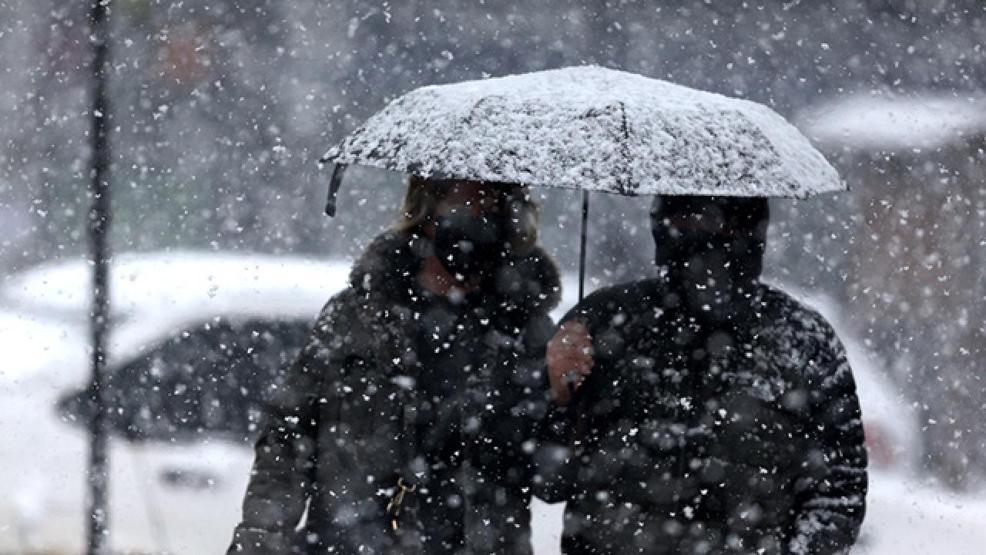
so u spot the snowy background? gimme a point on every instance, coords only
(220, 109)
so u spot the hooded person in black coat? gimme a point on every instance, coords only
(711, 413)
(407, 423)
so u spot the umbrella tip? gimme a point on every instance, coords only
(334, 184)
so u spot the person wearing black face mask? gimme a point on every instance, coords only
(405, 424)
(711, 251)
(711, 413)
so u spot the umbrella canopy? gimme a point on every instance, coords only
(591, 128)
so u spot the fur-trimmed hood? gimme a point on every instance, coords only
(388, 268)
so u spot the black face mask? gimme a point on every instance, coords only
(700, 256)
(468, 246)
(711, 271)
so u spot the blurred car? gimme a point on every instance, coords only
(200, 339)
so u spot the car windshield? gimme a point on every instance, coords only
(211, 378)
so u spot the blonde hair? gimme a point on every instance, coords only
(424, 195)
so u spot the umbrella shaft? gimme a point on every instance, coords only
(582, 245)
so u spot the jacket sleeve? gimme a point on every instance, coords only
(554, 465)
(831, 497)
(553, 459)
(282, 477)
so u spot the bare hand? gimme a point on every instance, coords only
(569, 359)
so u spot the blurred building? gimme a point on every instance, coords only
(916, 167)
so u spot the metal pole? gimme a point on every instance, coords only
(98, 227)
(585, 226)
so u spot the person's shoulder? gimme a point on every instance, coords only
(782, 305)
(626, 298)
(803, 324)
(346, 299)
(341, 313)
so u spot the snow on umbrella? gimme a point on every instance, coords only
(592, 129)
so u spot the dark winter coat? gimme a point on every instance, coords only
(399, 384)
(688, 438)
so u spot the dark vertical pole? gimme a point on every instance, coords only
(99, 222)
(585, 226)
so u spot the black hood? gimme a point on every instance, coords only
(389, 266)
(712, 249)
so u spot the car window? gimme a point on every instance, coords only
(212, 379)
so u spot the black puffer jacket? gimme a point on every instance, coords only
(397, 384)
(691, 439)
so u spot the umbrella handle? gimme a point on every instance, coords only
(582, 245)
(330, 203)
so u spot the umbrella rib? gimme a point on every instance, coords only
(625, 185)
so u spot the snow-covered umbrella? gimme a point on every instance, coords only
(592, 129)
